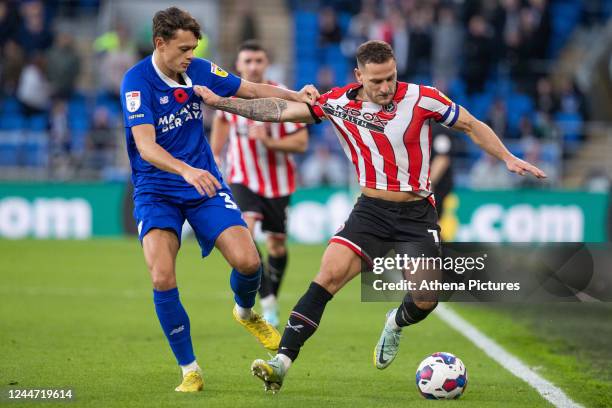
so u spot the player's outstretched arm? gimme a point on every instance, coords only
(251, 90)
(487, 140)
(263, 110)
(150, 151)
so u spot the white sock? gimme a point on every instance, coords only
(244, 313)
(193, 366)
(391, 324)
(268, 302)
(285, 360)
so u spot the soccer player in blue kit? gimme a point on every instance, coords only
(176, 179)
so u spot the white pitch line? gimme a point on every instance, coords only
(511, 363)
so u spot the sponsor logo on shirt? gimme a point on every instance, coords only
(132, 101)
(364, 119)
(163, 99)
(188, 112)
(217, 70)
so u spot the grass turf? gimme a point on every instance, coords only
(80, 315)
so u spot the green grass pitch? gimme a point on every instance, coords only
(79, 315)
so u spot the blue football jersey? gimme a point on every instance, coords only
(150, 97)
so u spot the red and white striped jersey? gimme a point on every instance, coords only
(390, 146)
(264, 171)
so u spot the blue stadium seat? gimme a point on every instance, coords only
(9, 143)
(519, 106)
(10, 105)
(38, 123)
(565, 15)
(344, 21)
(12, 122)
(78, 123)
(456, 91)
(550, 152)
(570, 124)
(480, 104)
(78, 140)
(36, 149)
(305, 20)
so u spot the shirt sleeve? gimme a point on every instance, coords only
(220, 81)
(136, 101)
(438, 106)
(316, 110)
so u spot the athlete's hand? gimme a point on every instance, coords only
(308, 94)
(259, 131)
(208, 97)
(516, 165)
(202, 180)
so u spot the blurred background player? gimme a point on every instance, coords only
(387, 137)
(441, 170)
(176, 179)
(262, 173)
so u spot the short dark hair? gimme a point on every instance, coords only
(167, 22)
(375, 51)
(251, 45)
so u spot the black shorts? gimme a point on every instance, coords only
(272, 212)
(375, 225)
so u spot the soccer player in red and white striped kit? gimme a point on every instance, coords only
(384, 127)
(262, 173)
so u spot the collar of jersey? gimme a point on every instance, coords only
(353, 92)
(169, 81)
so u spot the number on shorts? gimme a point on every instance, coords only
(228, 201)
(435, 235)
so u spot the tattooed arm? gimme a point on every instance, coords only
(263, 110)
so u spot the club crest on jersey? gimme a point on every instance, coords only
(217, 70)
(132, 101)
(390, 108)
(180, 95)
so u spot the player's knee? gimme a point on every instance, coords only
(426, 305)
(248, 264)
(163, 281)
(331, 277)
(162, 275)
(276, 246)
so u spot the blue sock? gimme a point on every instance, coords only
(175, 324)
(245, 287)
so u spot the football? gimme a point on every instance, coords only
(441, 376)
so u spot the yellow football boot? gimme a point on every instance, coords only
(263, 331)
(192, 382)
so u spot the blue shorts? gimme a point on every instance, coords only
(208, 217)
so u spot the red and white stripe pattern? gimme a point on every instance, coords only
(266, 172)
(390, 146)
(353, 247)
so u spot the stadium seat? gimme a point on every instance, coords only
(519, 106)
(570, 125)
(565, 16)
(10, 105)
(480, 104)
(9, 141)
(35, 149)
(38, 123)
(12, 122)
